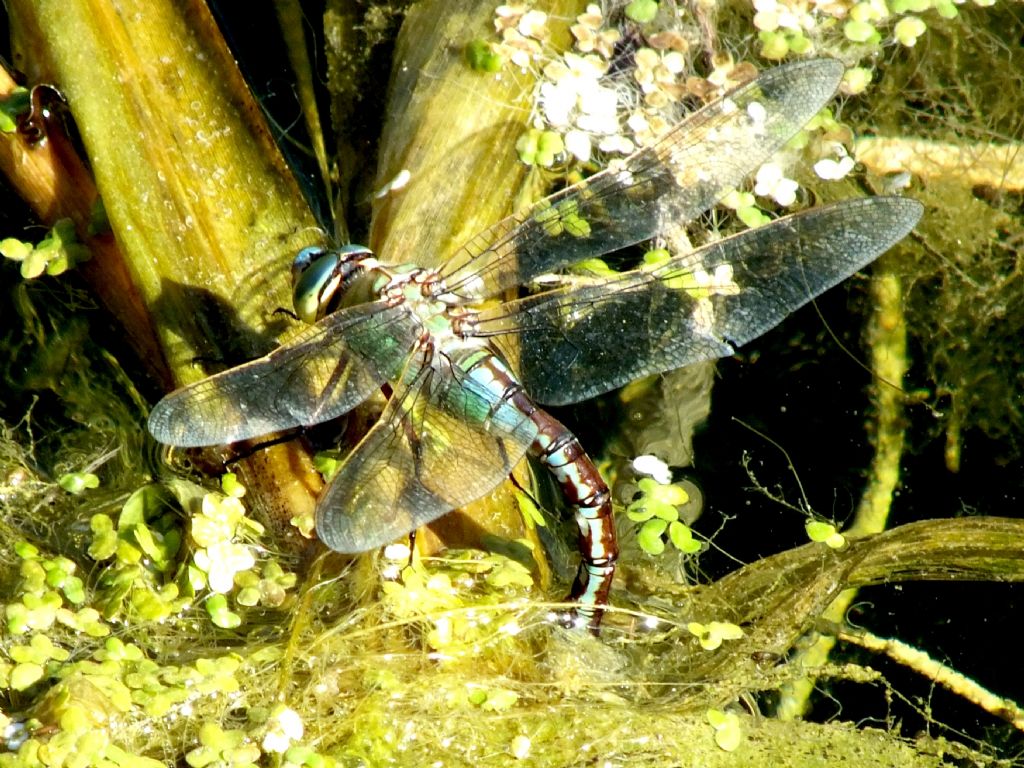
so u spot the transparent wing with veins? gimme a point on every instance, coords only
(575, 343)
(443, 441)
(328, 369)
(668, 183)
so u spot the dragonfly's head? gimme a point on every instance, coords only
(320, 278)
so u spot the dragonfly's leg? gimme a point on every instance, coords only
(584, 488)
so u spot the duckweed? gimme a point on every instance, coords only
(642, 11)
(824, 532)
(56, 253)
(657, 510)
(78, 482)
(728, 733)
(480, 55)
(712, 634)
(16, 103)
(541, 148)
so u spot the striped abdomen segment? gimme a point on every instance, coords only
(581, 484)
(584, 488)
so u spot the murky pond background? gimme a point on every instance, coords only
(117, 645)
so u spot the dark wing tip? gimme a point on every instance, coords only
(891, 218)
(177, 421)
(820, 77)
(825, 67)
(339, 531)
(163, 426)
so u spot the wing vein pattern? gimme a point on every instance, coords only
(575, 343)
(445, 439)
(668, 183)
(326, 370)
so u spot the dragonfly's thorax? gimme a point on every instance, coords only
(459, 313)
(439, 314)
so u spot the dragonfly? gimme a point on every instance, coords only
(467, 378)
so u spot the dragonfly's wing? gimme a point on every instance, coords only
(579, 342)
(668, 183)
(443, 441)
(328, 369)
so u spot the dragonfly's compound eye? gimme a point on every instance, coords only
(303, 259)
(320, 278)
(354, 252)
(315, 280)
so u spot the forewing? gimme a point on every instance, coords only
(442, 442)
(325, 371)
(577, 343)
(668, 183)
